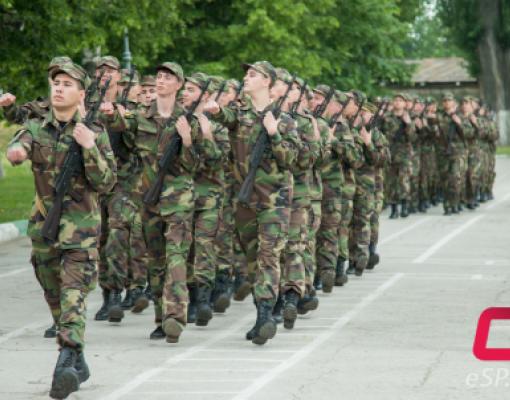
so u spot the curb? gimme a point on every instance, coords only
(13, 230)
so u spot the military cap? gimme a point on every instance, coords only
(200, 79)
(264, 67)
(448, 96)
(174, 68)
(359, 96)
(284, 75)
(58, 61)
(234, 83)
(340, 96)
(73, 70)
(466, 99)
(322, 89)
(148, 80)
(418, 99)
(299, 81)
(370, 107)
(430, 100)
(402, 95)
(125, 77)
(109, 61)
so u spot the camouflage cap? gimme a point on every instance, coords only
(340, 96)
(359, 96)
(200, 79)
(299, 81)
(322, 89)
(109, 61)
(174, 68)
(369, 107)
(402, 95)
(74, 71)
(448, 96)
(283, 75)
(430, 100)
(125, 77)
(58, 61)
(148, 80)
(232, 83)
(264, 67)
(466, 99)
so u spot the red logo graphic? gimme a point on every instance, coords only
(480, 349)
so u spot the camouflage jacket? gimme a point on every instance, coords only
(400, 137)
(273, 180)
(316, 187)
(36, 109)
(47, 145)
(452, 137)
(210, 176)
(376, 155)
(148, 134)
(307, 155)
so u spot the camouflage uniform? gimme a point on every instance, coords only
(428, 168)
(474, 163)
(66, 269)
(36, 109)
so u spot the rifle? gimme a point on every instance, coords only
(92, 89)
(294, 108)
(374, 121)
(258, 152)
(353, 120)
(73, 164)
(127, 89)
(334, 117)
(220, 90)
(151, 196)
(319, 110)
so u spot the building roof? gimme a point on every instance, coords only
(441, 70)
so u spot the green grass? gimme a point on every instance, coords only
(505, 150)
(17, 185)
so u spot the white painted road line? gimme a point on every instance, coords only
(405, 230)
(15, 272)
(440, 243)
(318, 341)
(498, 202)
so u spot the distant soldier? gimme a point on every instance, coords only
(66, 268)
(148, 91)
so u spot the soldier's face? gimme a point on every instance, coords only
(418, 108)
(167, 83)
(278, 90)
(432, 108)
(399, 103)
(147, 95)
(66, 92)
(294, 93)
(449, 104)
(255, 81)
(367, 116)
(466, 108)
(350, 109)
(316, 100)
(333, 108)
(227, 97)
(109, 73)
(190, 94)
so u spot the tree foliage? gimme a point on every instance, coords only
(346, 43)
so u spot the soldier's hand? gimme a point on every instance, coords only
(205, 127)
(406, 118)
(473, 119)
(366, 136)
(184, 130)
(316, 131)
(7, 99)
(212, 107)
(121, 109)
(456, 119)
(419, 123)
(270, 123)
(107, 108)
(17, 154)
(84, 136)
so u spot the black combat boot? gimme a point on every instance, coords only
(102, 314)
(317, 282)
(447, 211)
(373, 257)
(51, 332)
(204, 310)
(115, 312)
(140, 300)
(290, 309)
(65, 377)
(192, 305)
(394, 211)
(222, 292)
(277, 309)
(352, 268)
(82, 368)
(328, 280)
(252, 332)
(242, 287)
(172, 329)
(148, 293)
(265, 326)
(309, 302)
(422, 207)
(340, 275)
(127, 303)
(404, 213)
(460, 207)
(412, 208)
(157, 333)
(455, 209)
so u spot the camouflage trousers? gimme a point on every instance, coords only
(225, 240)
(474, 172)
(125, 248)
(484, 169)
(359, 238)
(66, 277)
(348, 192)
(451, 177)
(263, 236)
(374, 219)
(168, 239)
(327, 236)
(463, 175)
(415, 177)
(104, 201)
(293, 271)
(492, 168)
(399, 181)
(309, 255)
(427, 175)
(203, 255)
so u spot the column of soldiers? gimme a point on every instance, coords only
(189, 191)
